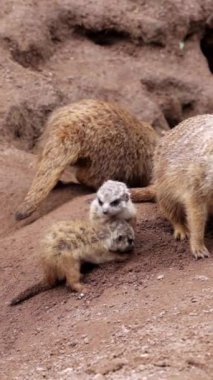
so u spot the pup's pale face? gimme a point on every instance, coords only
(123, 238)
(111, 198)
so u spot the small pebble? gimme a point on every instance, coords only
(98, 376)
(201, 277)
(80, 296)
(160, 277)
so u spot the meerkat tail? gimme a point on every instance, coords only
(143, 194)
(51, 165)
(31, 292)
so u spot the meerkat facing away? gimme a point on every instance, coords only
(97, 141)
(69, 243)
(183, 177)
(113, 201)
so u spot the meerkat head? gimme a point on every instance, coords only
(122, 237)
(112, 198)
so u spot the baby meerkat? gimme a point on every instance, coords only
(183, 178)
(69, 243)
(95, 141)
(113, 201)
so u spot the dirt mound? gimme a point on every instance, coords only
(148, 318)
(155, 58)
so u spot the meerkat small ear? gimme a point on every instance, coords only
(126, 197)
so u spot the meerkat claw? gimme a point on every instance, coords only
(181, 232)
(200, 253)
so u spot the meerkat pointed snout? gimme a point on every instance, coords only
(113, 201)
(183, 179)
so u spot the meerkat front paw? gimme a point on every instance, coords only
(76, 287)
(200, 252)
(180, 232)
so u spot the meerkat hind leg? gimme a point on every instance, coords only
(197, 216)
(50, 275)
(175, 214)
(71, 268)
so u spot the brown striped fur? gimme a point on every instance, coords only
(69, 243)
(95, 141)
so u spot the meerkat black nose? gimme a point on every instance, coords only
(131, 241)
(105, 212)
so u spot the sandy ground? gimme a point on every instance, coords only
(152, 316)
(147, 318)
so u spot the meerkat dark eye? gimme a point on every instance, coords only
(130, 241)
(115, 202)
(126, 197)
(100, 202)
(120, 238)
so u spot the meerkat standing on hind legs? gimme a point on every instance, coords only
(113, 201)
(183, 177)
(97, 140)
(69, 243)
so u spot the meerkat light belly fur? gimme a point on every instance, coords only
(183, 177)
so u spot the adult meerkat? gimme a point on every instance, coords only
(183, 177)
(113, 201)
(96, 141)
(69, 243)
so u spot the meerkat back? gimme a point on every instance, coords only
(98, 141)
